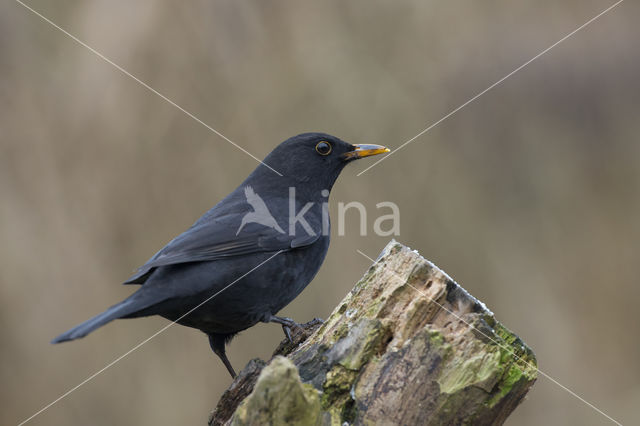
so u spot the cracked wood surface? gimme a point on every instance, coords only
(406, 346)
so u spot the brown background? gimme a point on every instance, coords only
(529, 197)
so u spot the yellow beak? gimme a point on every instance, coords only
(362, 151)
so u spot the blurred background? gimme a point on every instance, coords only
(529, 197)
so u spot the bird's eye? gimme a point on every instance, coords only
(323, 148)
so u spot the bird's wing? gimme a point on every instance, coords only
(216, 239)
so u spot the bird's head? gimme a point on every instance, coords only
(316, 158)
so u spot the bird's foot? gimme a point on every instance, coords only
(287, 332)
(299, 334)
(287, 324)
(315, 321)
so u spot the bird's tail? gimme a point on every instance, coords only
(126, 307)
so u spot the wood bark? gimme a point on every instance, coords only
(406, 346)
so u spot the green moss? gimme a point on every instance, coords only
(436, 338)
(514, 351)
(337, 384)
(461, 373)
(518, 362)
(361, 343)
(508, 338)
(374, 307)
(349, 354)
(340, 332)
(336, 397)
(279, 398)
(511, 377)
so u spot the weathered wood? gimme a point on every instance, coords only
(406, 346)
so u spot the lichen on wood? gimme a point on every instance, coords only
(279, 398)
(406, 346)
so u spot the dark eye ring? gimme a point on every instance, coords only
(323, 148)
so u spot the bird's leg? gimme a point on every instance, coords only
(286, 323)
(217, 342)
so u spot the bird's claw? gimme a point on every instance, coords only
(315, 321)
(287, 324)
(287, 332)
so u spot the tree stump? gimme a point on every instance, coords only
(406, 346)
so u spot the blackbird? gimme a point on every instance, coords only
(251, 254)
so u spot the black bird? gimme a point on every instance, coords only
(251, 254)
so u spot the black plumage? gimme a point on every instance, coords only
(244, 254)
